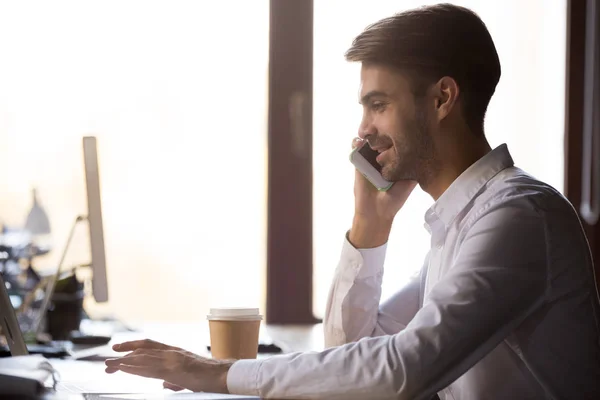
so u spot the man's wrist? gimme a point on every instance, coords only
(225, 366)
(369, 233)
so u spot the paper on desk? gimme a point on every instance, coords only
(177, 396)
(25, 375)
(35, 365)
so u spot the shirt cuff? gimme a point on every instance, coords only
(367, 262)
(242, 377)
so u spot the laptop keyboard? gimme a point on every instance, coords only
(89, 377)
(106, 386)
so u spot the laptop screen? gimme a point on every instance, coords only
(10, 326)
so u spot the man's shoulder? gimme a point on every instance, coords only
(515, 188)
(514, 184)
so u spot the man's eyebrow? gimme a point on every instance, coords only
(370, 95)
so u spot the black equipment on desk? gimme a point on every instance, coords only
(65, 312)
(45, 350)
(78, 338)
(264, 348)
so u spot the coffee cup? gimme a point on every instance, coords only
(234, 332)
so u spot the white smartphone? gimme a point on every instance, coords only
(365, 161)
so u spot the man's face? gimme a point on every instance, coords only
(395, 123)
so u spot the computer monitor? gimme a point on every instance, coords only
(94, 218)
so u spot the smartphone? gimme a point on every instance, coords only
(365, 161)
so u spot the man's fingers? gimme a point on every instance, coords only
(357, 143)
(111, 370)
(403, 188)
(145, 371)
(142, 344)
(168, 385)
(146, 360)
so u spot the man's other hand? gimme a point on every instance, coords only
(179, 369)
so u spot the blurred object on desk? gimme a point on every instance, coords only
(66, 308)
(24, 376)
(38, 224)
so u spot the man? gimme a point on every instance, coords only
(505, 306)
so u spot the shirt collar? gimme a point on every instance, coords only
(468, 184)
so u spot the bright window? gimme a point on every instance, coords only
(527, 113)
(176, 92)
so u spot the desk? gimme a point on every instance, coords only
(190, 336)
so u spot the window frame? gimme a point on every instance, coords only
(289, 295)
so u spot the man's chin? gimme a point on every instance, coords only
(391, 178)
(389, 174)
(395, 176)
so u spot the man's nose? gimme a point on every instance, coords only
(366, 130)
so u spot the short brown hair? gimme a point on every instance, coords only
(435, 41)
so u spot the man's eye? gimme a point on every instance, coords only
(377, 106)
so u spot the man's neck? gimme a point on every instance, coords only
(454, 159)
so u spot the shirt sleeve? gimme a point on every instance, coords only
(353, 310)
(497, 279)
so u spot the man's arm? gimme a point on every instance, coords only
(353, 306)
(497, 280)
(353, 310)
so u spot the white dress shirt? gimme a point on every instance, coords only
(505, 307)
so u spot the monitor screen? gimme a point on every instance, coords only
(94, 217)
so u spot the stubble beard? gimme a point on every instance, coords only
(415, 153)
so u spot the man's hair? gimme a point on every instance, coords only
(430, 42)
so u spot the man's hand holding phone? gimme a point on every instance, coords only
(375, 208)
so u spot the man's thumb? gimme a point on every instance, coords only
(168, 385)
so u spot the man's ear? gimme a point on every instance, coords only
(446, 92)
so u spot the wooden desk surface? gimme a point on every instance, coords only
(190, 336)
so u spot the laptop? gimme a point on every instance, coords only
(30, 322)
(98, 385)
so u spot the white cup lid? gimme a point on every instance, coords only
(234, 313)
